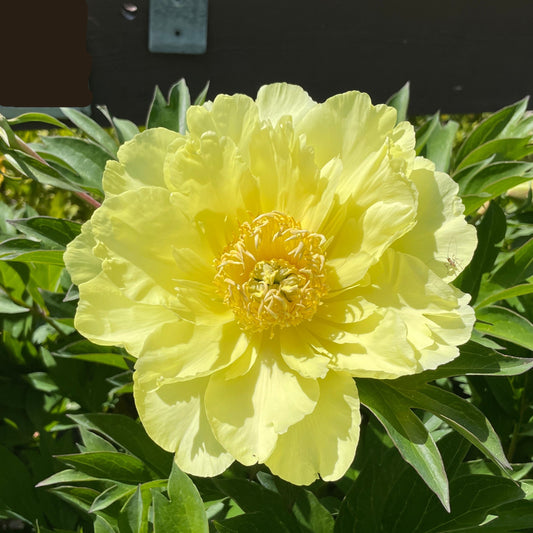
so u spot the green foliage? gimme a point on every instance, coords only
(436, 448)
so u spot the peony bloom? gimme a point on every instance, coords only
(259, 263)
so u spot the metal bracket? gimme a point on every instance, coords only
(178, 26)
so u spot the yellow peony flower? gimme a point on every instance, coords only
(258, 264)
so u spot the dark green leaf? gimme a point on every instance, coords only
(490, 232)
(102, 526)
(400, 102)
(125, 129)
(492, 127)
(505, 294)
(200, 99)
(108, 465)
(440, 144)
(424, 132)
(508, 149)
(36, 117)
(66, 476)
(29, 251)
(91, 129)
(407, 432)
(8, 307)
(130, 435)
(171, 115)
(473, 498)
(461, 415)
(114, 493)
(506, 324)
(16, 488)
(54, 232)
(257, 522)
(84, 157)
(184, 513)
(312, 516)
(517, 268)
(474, 360)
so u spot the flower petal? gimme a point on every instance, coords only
(178, 350)
(280, 99)
(324, 442)
(248, 413)
(174, 417)
(106, 316)
(82, 264)
(140, 161)
(442, 238)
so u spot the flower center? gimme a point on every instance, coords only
(273, 274)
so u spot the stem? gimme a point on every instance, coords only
(86, 197)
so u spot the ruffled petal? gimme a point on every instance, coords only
(174, 417)
(179, 350)
(324, 442)
(299, 351)
(140, 161)
(249, 412)
(106, 316)
(82, 264)
(442, 238)
(280, 99)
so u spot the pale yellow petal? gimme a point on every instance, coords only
(349, 127)
(80, 261)
(174, 417)
(280, 99)
(210, 176)
(180, 350)
(299, 350)
(442, 238)
(323, 444)
(105, 316)
(435, 315)
(247, 413)
(140, 161)
(234, 117)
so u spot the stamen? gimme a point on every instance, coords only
(279, 283)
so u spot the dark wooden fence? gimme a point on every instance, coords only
(459, 55)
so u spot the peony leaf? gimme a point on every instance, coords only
(517, 268)
(102, 526)
(130, 435)
(84, 157)
(474, 360)
(55, 232)
(9, 307)
(439, 145)
(461, 415)
(473, 498)
(400, 102)
(492, 128)
(505, 324)
(257, 522)
(311, 514)
(108, 465)
(423, 133)
(508, 150)
(407, 432)
(490, 232)
(66, 476)
(184, 513)
(29, 251)
(171, 114)
(91, 129)
(111, 495)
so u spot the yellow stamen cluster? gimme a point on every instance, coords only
(273, 274)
